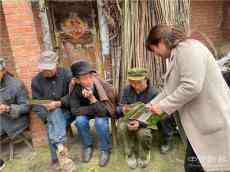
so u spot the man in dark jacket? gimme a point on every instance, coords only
(51, 85)
(14, 103)
(91, 98)
(137, 138)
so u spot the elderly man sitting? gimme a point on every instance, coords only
(14, 104)
(137, 137)
(51, 84)
(92, 98)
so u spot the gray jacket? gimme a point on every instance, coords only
(14, 94)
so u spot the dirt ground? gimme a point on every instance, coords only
(37, 160)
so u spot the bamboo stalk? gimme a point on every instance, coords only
(137, 19)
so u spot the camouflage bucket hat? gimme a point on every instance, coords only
(2, 63)
(137, 74)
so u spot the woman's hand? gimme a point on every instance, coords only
(155, 109)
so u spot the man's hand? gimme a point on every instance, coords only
(133, 125)
(53, 105)
(155, 109)
(89, 95)
(4, 108)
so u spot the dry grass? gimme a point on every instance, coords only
(38, 161)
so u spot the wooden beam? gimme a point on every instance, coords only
(47, 41)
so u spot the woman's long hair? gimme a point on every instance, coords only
(170, 34)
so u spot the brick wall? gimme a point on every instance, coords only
(226, 22)
(20, 39)
(5, 49)
(38, 131)
(207, 17)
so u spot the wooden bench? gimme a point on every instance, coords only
(23, 137)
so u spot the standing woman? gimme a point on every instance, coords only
(195, 87)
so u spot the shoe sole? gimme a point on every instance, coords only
(148, 159)
(91, 156)
(3, 166)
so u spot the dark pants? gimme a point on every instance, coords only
(166, 127)
(192, 163)
(135, 142)
(227, 78)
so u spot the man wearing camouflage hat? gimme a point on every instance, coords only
(137, 137)
(14, 104)
(52, 84)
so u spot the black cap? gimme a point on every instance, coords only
(81, 68)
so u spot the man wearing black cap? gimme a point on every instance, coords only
(91, 98)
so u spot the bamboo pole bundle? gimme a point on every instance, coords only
(172, 12)
(175, 12)
(136, 18)
(113, 10)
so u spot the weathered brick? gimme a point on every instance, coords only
(22, 37)
(207, 17)
(38, 131)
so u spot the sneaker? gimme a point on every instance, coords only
(132, 161)
(66, 164)
(166, 147)
(87, 154)
(104, 158)
(143, 162)
(2, 164)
